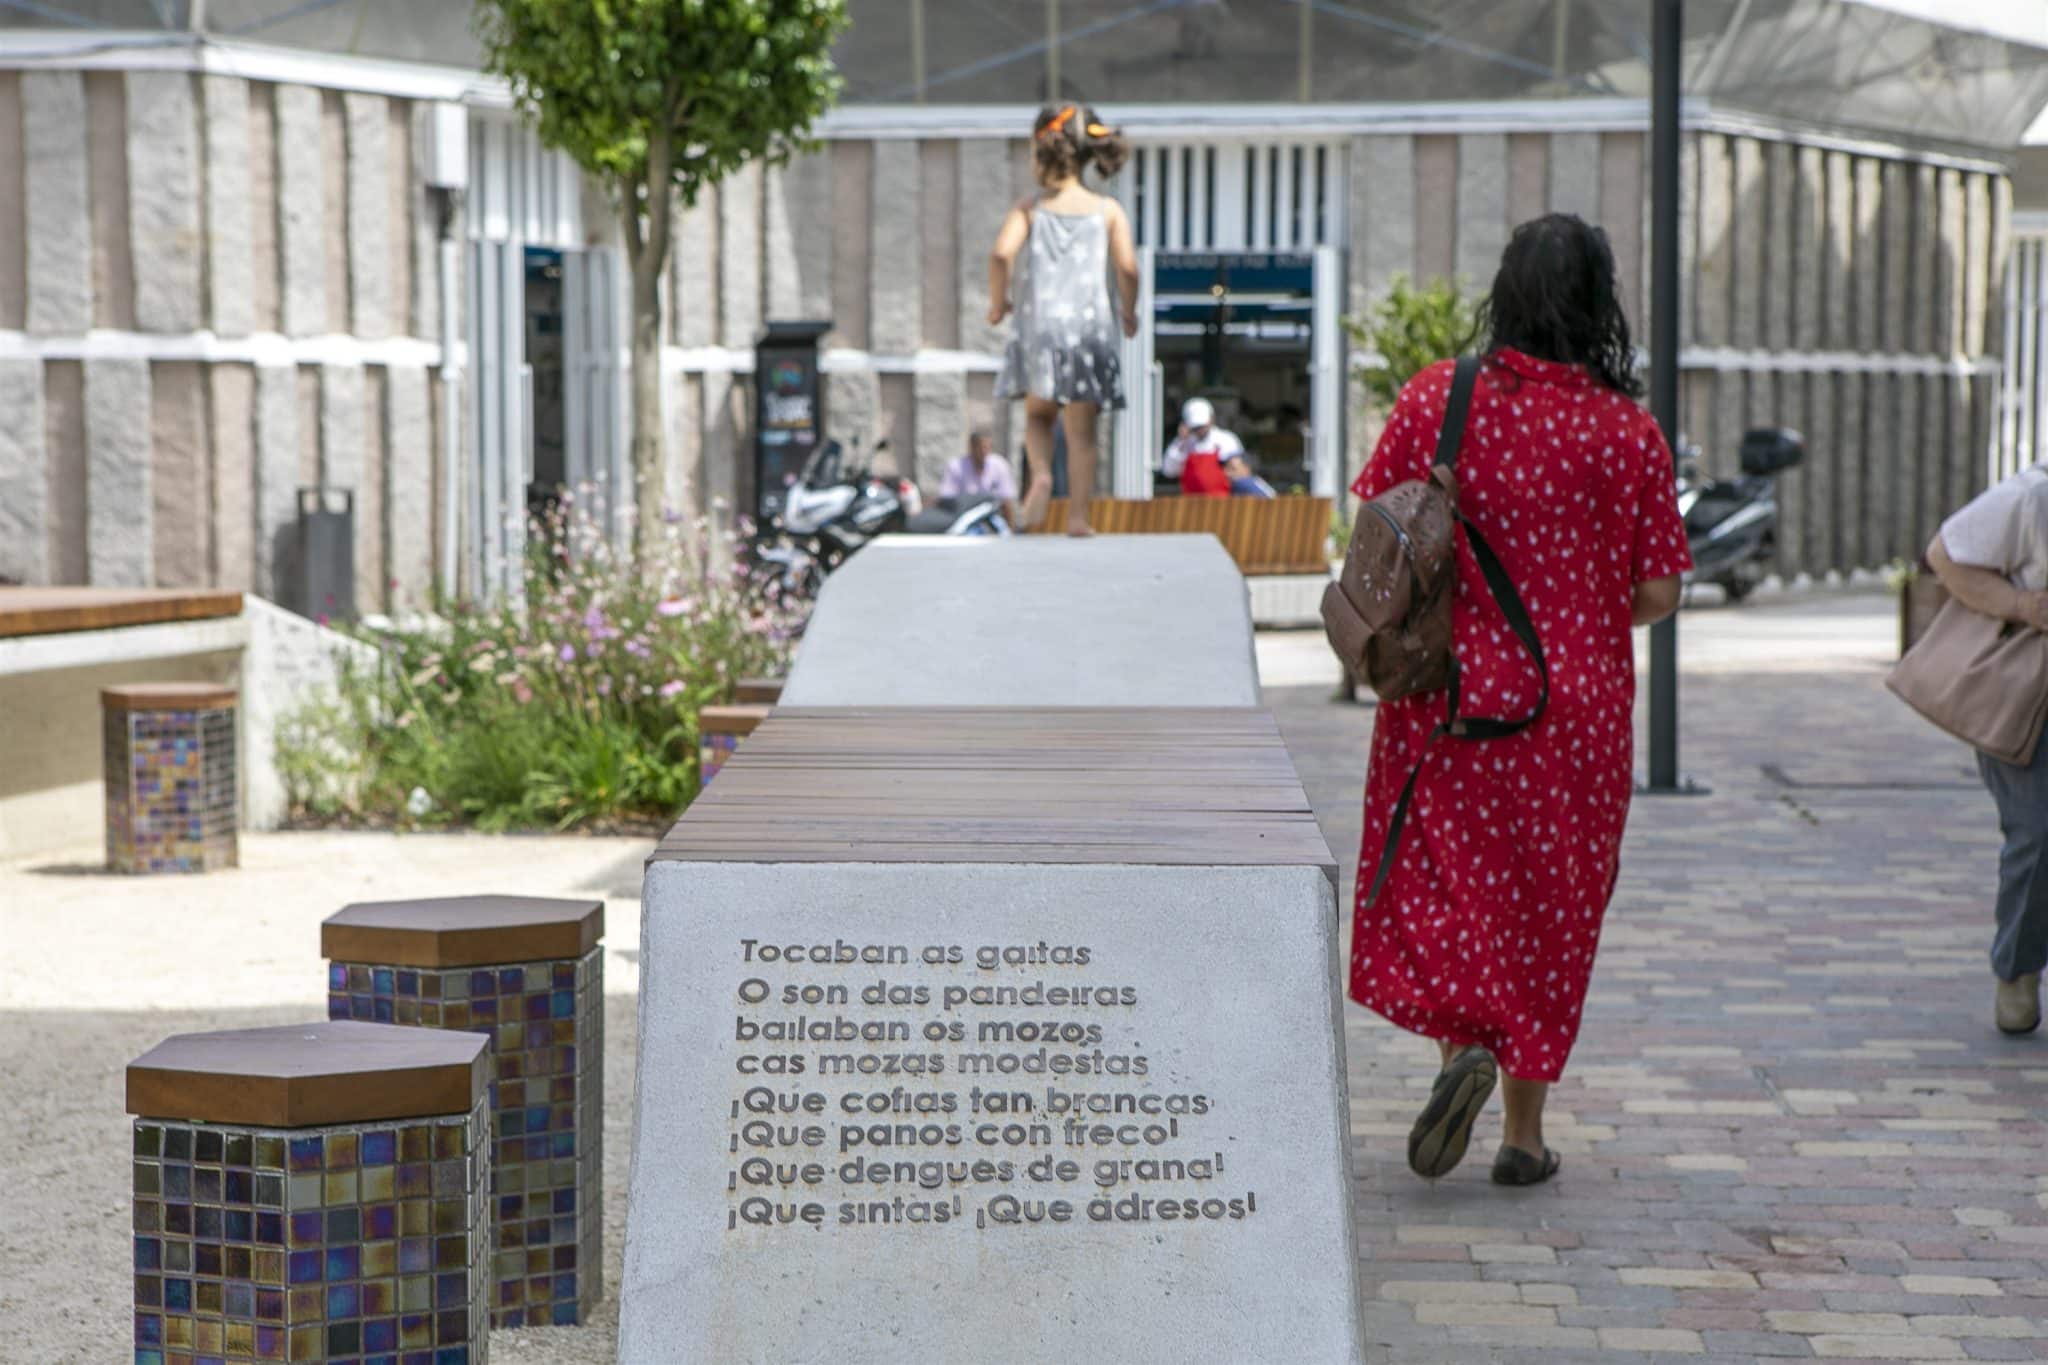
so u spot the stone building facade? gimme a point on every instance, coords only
(233, 272)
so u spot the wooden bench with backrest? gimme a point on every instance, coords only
(1284, 535)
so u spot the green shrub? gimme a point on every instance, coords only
(1411, 329)
(574, 704)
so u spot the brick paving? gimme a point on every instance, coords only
(1789, 1129)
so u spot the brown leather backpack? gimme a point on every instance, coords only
(1388, 613)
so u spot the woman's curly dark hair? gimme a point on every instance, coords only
(1066, 139)
(1555, 298)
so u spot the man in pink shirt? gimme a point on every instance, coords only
(981, 473)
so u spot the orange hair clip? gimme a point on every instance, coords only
(1058, 122)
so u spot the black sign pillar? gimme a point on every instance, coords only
(789, 410)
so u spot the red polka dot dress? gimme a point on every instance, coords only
(1486, 929)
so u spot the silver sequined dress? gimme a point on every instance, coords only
(1065, 346)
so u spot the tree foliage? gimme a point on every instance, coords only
(656, 99)
(1409, 330)
(696, 87)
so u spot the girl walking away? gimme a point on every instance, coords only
(1483, 934)
(1052, 262)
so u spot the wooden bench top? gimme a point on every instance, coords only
(192, 696)
(1209, 787)
(307, 1075)
(462, 931)
(51, 611)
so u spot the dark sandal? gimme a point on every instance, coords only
(1513, 1166)
(1437, 1142)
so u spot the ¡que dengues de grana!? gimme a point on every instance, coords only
(867, 1093)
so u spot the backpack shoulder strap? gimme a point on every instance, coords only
(1456, 409)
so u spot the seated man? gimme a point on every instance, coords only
(1244, 483)
(981, 473)
(1196, 455)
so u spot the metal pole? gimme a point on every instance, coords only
(1305, 54)
(917, 47)
(1666, 44)
(1052, 51)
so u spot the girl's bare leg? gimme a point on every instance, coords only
(1039, 416)
(1080, 423)
(1522, 1125)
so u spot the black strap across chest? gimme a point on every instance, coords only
(1455, 724)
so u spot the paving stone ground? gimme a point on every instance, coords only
(1789, 1129)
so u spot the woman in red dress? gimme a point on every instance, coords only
(1484, 934)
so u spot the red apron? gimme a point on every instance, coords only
(1203, 477)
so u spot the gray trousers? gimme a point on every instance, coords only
(2020, 945)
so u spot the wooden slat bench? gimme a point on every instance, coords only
(1286, 535)
(1059, 785)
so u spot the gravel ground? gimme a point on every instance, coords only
(95, 969)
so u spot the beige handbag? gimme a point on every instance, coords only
(1983, 680)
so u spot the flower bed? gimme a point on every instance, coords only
(572, 705)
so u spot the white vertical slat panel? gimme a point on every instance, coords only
(2033, 308)
(1283, 198)
(1137, 425)
(1228, 195)
(1326, 374)
(1155, 198)
(2012, 381)
(516, 463)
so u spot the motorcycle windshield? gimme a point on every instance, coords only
(822, 469)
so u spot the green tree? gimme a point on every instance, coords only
(1409, 330)
(656, 99)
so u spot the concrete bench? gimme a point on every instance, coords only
(60, 646)
(311, 1192)
(999, 1035)
(1030, 621)
(527, 973)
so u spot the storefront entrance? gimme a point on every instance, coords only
(1258, 334)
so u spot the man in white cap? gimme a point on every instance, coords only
(1198, 453)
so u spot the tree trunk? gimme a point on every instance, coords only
(648, 252)
(647, 480)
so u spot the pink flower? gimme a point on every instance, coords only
(673, 606)
(670, 688)
(521, 691)
(567, 654)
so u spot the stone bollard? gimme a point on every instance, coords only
(719, 732)
(764, 690)
(529, 973)
(312, 1192)
(172, 785)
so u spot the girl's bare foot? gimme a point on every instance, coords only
(1079, 529)
(1031, 512)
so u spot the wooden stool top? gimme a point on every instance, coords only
(760, 691)
(309, 1075)
(730, 720)
(182, 696)
(462, 931)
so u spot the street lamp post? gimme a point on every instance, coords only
(1667, 35)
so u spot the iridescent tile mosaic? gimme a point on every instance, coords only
(171, 789)
(362, 1243)
(546, 1023)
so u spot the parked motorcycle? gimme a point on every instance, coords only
(1732, 524)
(838, 505)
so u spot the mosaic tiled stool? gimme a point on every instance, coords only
(312, 1192)
(171, 777)
(719, 732)
(765, 690)
(529, 973)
